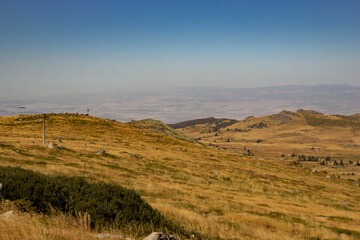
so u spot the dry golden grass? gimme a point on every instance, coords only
(216, 192)
(25, 226)
(340, 140)
(32, 226)
(283, 137)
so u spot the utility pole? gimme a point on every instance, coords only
(44, 115)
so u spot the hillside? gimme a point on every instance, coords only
(318, 119)
(160, 127)
(292, 136)
(220, 194)
(300, 132)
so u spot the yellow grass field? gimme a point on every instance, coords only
(219, 193)
(290, 133)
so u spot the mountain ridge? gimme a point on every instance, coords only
(283, 116)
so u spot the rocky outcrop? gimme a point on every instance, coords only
(152, 236)
(111, 236)
(259, 125)
(160, 236)
(281, 117)
(101, 152)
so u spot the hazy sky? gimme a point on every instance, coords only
(49, 47)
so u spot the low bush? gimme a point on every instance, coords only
(108, 205)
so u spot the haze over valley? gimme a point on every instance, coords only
(180, 120)
(180, 104)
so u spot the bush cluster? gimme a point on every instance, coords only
(308, 158)
(109, 205)
(219, 123)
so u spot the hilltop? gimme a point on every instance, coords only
(160, 127)
(291, 136)
(300, 132)
(220, 194)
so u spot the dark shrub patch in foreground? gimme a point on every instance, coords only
(108, 205)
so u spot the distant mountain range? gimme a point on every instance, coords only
(180, 104)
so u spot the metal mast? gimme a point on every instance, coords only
(44, 115)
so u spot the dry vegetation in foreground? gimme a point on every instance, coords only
(31, 226)
(218, 193)
(26, 226)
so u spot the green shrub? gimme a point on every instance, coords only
(109, 205)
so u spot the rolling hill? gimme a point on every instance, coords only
(300, 132)
(160, 127)
(218, 193)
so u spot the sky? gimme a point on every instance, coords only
(70, 46)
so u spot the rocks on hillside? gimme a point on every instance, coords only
(283, 117)
(7, 215)
(101, 152)
(160, 236)
(138, 156)
(152, 236)
(54, 146)
(259, 125)
(111, 236)
(51, 145)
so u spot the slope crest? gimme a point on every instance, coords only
(160, 127)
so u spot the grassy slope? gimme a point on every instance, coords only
(215, 192)
(23, 226)
(160, 127)
(30, 226)
(301, 132)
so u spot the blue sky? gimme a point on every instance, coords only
(49, 47)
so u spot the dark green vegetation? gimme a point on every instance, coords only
(108, 205)
(318, 119)
(218, 122)
(355, 234)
